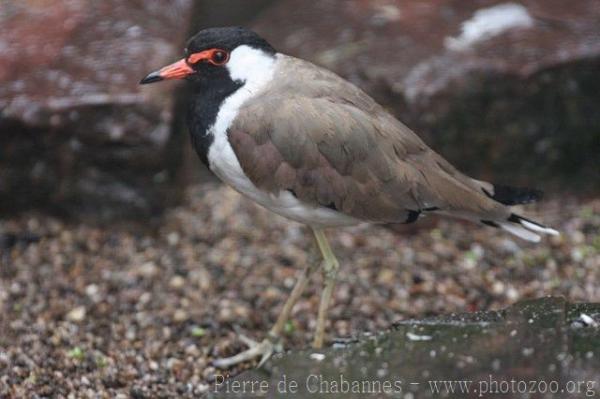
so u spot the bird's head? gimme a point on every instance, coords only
(216, 55)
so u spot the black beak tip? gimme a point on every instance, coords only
(152, 78)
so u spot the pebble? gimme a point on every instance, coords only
(92, 291)
(220, 261)
(180, 315)
(148, 269)
(177, 282)
(77, 314)
(587, 320)
(173, 238)
(418, 337)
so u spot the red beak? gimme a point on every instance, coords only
(177, 70)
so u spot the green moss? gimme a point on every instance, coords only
(101, 361)
(198, 332)
(289, 328)
(76, 353)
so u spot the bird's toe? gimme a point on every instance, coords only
(263, 350)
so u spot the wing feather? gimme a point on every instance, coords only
(331, 145)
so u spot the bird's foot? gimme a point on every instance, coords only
(264, 349)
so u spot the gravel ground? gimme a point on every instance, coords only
(87, 311)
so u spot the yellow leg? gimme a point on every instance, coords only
(297, 291)
(330, 269)
(270, 344)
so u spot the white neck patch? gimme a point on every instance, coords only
(255, 69)
(250, 65)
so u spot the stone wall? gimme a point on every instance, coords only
(507, 91)
(77, 133)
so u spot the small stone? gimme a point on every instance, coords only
(192, 350)
(180, 315)
(130, 334)
(173, 238)
(587, 320)
(528, 351)
(174, 364)
(77, 314)
(498, 287)
(177, 282)
(209, 374)
(512, 294)
(225, 314)
(148, 269)
(417, 337)
(91, 290)
(145, 298)
(202, 388)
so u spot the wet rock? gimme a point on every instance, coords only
(77, 132)
(531, 341)
(512, 83)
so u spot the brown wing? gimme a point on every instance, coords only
(331, 145)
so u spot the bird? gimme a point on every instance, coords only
(308, 145)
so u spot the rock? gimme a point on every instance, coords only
(77, 133)
(532, 340)
(497, 87)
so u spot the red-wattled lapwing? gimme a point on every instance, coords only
(310, 146)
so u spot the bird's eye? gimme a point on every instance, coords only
(219, 57)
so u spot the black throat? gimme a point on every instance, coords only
(212, 84)
(206, 101)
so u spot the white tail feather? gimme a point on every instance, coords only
(520, 231)
(538, 228)
(514, 224)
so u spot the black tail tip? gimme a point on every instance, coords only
(514, 195)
